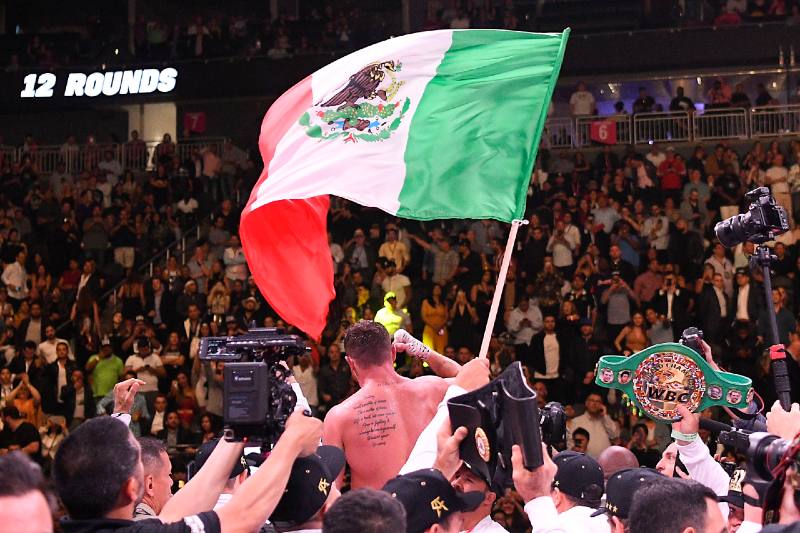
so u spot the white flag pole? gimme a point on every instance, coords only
(500, 287)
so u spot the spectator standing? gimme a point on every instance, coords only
(617, 299)
(334, 379)
(15, 278)
(644, 103)
(148, 367)
(200, 268)
(397, 283)
(681, 102)
(305, 372)
(106, 369)
(549, 359)
(671, 173)
(435, 315)
(394, 249)
(524, 321)
(777, 177)
(581, 102)
(235, 261)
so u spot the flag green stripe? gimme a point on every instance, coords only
(474, 135)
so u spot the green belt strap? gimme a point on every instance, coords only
(662, 376)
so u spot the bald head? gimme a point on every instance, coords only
(616, 458)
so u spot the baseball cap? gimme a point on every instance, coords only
(743, 270)
(578, 475)
(309, 487)
(139, 318)
(429, 498)
(105, 341)
(620, 489)
(204, 452)
(389, 295)
(735, 495)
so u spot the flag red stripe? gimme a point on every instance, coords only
(286, 242)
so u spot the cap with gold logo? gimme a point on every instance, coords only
(429, 498)
(309, 487)
(621, 487)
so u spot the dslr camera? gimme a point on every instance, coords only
(763, 450)
(765, 219)
(257, 398)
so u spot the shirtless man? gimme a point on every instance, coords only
(378, 426)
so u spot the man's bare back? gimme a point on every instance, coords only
(378, 426)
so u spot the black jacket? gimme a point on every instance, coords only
(537, 359)
(755, 302)
(50, 393)
(68, 396)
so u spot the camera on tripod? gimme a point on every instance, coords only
(764, 220)
(257, 398)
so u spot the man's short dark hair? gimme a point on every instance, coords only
(92, 465)
(151, 453)
(365, 511)
(20, 475)
(367, 343)
(581, 431)
(667, 505)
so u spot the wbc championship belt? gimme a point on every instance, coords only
(659, 378)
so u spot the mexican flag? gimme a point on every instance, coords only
(440, 124)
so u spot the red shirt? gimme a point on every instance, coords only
(670, 172)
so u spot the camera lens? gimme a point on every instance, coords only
(734, 230)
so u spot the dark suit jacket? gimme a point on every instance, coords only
(167, 306)
(68, 396)
(680, 306)
(537, 360)
(17, 366)
(50, 391)
(22, 330)
(184, 436)
(755, 302)
(709, 314)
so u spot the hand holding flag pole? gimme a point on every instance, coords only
(501, 283)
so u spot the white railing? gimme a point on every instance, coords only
(774, 121)
(714, 124)
(660, 127)
(81, 157)
(558, 133)
(615, 128)
(679, 126)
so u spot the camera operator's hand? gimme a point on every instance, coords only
(124, 394)
(689, 424)
(448, 460)
(532, 484)
(305, 431)
(785, 425)
(474, 374)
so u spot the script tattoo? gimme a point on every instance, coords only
(376, 420)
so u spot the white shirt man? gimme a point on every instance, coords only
(524, 322)
(144, 368)
(47, 348)
(741, 303)
(581, 102)
(398, 284)
(552, 356)
(307, 380)
(561, 246)
(656, 229)
(16, 279)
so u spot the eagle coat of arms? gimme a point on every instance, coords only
(364, 109)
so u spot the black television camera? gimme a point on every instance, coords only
(257, 398)
(765, 219)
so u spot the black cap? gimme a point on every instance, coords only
(204, 452)
(309, 487)
(429, 498)
(735, 495)
(620, 489)
(578, 476)
(743, 271)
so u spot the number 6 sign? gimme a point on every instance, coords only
(604, 132)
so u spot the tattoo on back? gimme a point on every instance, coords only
(375, 420)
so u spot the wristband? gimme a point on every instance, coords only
(658, 379)
(688, 437)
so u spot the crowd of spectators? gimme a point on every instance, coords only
(619, 254)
